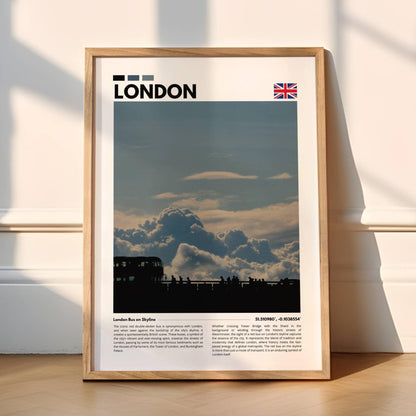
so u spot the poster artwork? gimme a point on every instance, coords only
(205, 251)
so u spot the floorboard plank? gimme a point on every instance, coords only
(362, 385)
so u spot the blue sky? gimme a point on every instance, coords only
(159, 144)
(226, 165)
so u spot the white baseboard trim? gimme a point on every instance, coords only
(40, 220)
(374, 219)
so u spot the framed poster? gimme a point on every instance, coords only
(205, 214)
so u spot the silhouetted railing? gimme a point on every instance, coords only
(177, 294)
(239, 283)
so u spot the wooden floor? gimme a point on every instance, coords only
(363, 384)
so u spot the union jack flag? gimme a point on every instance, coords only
(285, 90)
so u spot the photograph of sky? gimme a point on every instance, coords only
(209, 187)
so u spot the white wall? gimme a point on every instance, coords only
(371, 144)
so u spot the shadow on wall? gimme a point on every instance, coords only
(360, 314)
(34, 317)
(22, 68)
(39, 317)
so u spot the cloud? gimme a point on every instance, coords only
(283, 175)
(255, 251)
(289, 251)
(197, 203)
(127, 248)
(170, 195)
(202, 265)
(292, 198)
(215, 175)
(163, 235)
(276, 222)
(252, 249)
(201, 200)
(128, 220)
(233, 238)
(179, 238)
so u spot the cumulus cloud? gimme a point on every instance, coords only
(161, 236)
(283, 175)
(233, 238)
(179, 238)
(215, 175)
(126, 248)
(128, 220)
(255, 250)
(202, 265)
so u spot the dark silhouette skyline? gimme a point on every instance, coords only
(141, 287)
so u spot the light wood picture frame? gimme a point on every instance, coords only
(205, 214)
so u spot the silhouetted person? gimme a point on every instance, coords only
(180, 280)
(188, 280)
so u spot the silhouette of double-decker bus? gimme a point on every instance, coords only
(137, 270)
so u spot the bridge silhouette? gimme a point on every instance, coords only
(213, 295)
